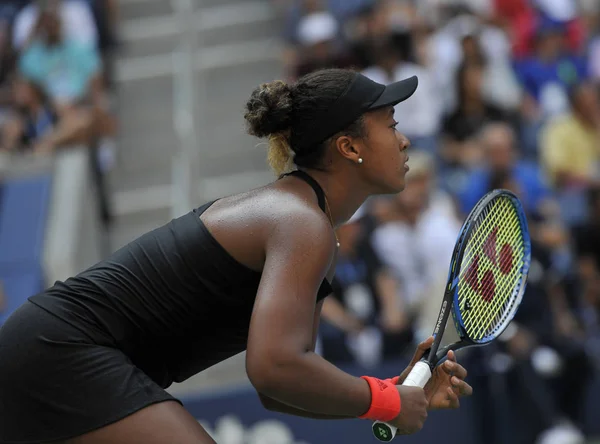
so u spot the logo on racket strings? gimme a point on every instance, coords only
(481, 278)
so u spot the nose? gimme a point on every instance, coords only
(404, 142)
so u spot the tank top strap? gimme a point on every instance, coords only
(313, 184)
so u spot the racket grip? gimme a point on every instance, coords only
(418, 377)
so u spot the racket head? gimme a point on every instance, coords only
(489, 268)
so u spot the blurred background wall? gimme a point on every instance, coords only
(118, 115)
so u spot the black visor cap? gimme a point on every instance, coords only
(395, 93)
(361, 96)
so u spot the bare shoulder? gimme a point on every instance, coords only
(292, 214)
(301, 241)
(276, 221)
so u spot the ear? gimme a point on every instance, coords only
(348, 147)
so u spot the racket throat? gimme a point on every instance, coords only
(439, 328)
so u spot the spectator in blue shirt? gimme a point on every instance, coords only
(547, 76)
(69, 73)
(503, 166)
(64, 67)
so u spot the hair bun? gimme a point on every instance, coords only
(269, 109)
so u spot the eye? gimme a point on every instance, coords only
(394, 125)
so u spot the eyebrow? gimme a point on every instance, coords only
(392, 111)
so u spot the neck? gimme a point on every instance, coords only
(343, 199)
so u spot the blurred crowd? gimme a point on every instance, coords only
(508, 97)
(55, 76)
(56, 81)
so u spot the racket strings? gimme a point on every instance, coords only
(494, 288)
(489, 308)
(491, 270)
(503, 283)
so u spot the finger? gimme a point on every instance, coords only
(453, 401)
(458, 370)
(451, 356)
(464, 389)
(449, 367)
(421, 349)
(461, 387)
(425, 344)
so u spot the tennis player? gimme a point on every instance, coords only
(88, 360)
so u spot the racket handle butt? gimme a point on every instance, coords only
(383, 431)
(419, 375)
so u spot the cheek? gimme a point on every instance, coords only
(387, 150)
(387, 163)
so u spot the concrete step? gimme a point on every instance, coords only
(231, 154)
(211, 3)
(229, 19)
(239, 50)
(146, 106)
(240, 32)
(216, 87)
(234, 56)
(126, 177)
(132, 225)
(156, 198)
(225, 375)
(137, 9)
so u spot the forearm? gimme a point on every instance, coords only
(310, 383)
(276, 406)
(387, 293)
(73, 127)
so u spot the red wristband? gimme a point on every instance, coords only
(385, 400)
(394, 380)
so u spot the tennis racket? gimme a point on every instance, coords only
(486, 282)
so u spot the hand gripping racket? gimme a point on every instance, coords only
(486, 282)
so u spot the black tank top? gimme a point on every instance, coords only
(174, 301)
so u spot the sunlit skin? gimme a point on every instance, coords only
(285, 232)
(383, 151)
(348, 183)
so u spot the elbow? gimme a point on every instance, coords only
(268, 374)
(261, 377)
(268, 403)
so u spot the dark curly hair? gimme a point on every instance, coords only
(283, 113)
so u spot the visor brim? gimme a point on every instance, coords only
(396, 92)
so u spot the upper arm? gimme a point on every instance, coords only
(24, 24)
(299, 252)
(80, 23)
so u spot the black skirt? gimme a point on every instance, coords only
(57, 382)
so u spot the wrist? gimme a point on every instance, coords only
(385, 400)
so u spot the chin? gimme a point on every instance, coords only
(394, 187)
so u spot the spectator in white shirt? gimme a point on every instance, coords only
(76, 17)
(417, 240)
